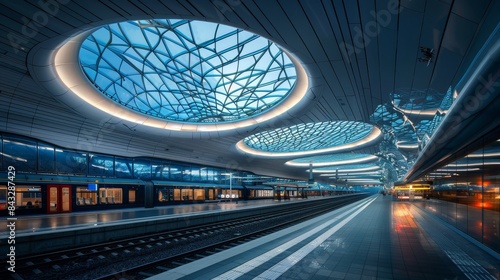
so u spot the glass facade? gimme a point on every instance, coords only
(468, 190)
(32, 156)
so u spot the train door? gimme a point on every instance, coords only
(58, 199)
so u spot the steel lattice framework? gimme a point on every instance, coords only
(186, 70)
(309, 136)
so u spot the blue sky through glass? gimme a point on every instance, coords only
(186, 70)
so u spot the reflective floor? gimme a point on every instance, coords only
(377, 238)
(44, 222)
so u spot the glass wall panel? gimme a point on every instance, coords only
(215, 176)
(195, 174)
(204, 174)
(468, 189)
(157, 170)
(19, 153)
(142, 169)
(71, 162)
(123, 168)
(176, 172)
(101, 165)
(46, 158)
(165, 173)
(186, 173)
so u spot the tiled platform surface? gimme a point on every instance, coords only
(382, 239)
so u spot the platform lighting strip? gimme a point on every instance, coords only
(356, 177)
(451, 165)
(456, 169)
(73, 78)
(402, 146)
(483, 155)
(374, 134)
(349, 173)
(345, 170)
(330, 163)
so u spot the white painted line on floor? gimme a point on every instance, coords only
(284, 265)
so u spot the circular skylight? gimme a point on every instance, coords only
(309, 138)
(187, 71)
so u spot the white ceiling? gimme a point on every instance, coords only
(349, 73)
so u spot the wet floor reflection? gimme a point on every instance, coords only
(44, 222)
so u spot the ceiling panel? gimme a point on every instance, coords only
(387, 54)
(459, 34)
(349, 73)
(407, 48)
(472, 10)
(443, 73)
(280, 20)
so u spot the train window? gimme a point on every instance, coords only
(26, 197)
(110, 196)
(164, 195)
(177, 194)
(3, 197)
(187, 194)
(84, 196)
(131, 196)
(199, 194)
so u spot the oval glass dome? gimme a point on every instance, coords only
(187, 71)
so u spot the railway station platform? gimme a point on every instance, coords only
(375, 238)
(45, 223)
(43, 233)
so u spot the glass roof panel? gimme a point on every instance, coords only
(187, 70)
(309, 136)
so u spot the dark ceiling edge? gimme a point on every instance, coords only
(476, 103)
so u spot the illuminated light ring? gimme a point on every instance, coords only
(72, 76)
(374, 134)
(371, 173)
(375, 167)
(330, 163)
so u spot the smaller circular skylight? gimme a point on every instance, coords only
(332, 159)
(309, 138)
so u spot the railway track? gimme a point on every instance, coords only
(61, 263)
